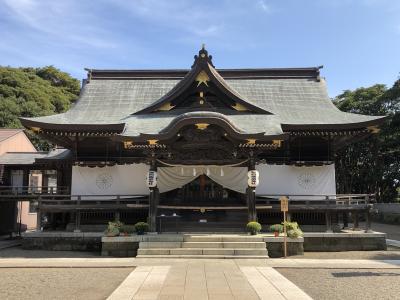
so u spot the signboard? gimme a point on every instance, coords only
(151, 179)
(284, 209)
(284, 204)
(253, 178)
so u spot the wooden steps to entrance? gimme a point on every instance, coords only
(205, 246)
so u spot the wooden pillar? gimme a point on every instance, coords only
(154, 197)
(328, 219)
(251, 204)
(355, 220)
(25, 180)
(117, 216)
(251, 197)
(78, 216)
(39, 214)
(368, 218)
(345, 219)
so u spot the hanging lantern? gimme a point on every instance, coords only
(222, 171)
(151, 179)
(194, 171)
(208, 171)
(182, 171)
(253, 178)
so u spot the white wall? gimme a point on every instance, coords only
(115, 180)
(274, 180)
(291, 180)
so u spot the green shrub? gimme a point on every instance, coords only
(129, 229)
(276, 228)
(293, 230)
(294, 233)
(141, 227)
(116, 224)
(253, 227)
(113, 228)
(114, 231)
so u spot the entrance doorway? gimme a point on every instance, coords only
(202, 206)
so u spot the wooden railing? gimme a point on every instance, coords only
(95, 202)
(48, 200)
(17, 191)
(333, 201)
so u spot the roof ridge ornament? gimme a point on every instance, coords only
(203, 57)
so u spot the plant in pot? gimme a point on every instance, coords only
(113, 228)
(253, 227)
(276, 229)
(127, 229)
(293, 230)
(141, 228)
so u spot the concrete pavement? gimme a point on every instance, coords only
(203, 278)
(97, 262)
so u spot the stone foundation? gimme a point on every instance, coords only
(120, 246)
(275, 246)
(127, 246)
(346, 241)
(62, 241)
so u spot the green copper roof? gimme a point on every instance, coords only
(292, 101)
(243, 123)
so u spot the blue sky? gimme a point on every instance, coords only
(357, 41)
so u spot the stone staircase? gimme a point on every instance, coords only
(203, 246)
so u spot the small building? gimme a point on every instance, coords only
(17, 150)
(202, 149)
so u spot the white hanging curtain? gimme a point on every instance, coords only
(291, 180)
(233, 178)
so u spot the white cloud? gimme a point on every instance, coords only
(62, 20)
(185, 16)
(264, 6)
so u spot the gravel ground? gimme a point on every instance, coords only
(346, 284)
(60, 283)
(392, 231)
(392, 253)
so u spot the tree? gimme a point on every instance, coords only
(373, 165)
(33, 92)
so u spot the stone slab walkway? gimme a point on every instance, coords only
(198, 279)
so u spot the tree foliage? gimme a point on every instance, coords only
(372, 165)
(33, 92)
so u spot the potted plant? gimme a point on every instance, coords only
(112, 232)
(127, 229)
(141, 228)
(293, 230)
(113, 228)
(276, 229)
(253, 227)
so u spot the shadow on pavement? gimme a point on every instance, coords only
(363, 274)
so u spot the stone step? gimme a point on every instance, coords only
(206, 256)
(232, 245)
(159, 244)
(199, 251)
(221, 238)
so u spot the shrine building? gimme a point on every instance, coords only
(199, 149)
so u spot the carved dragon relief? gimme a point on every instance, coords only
(202, 144)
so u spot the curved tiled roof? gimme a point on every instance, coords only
(296, 98)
